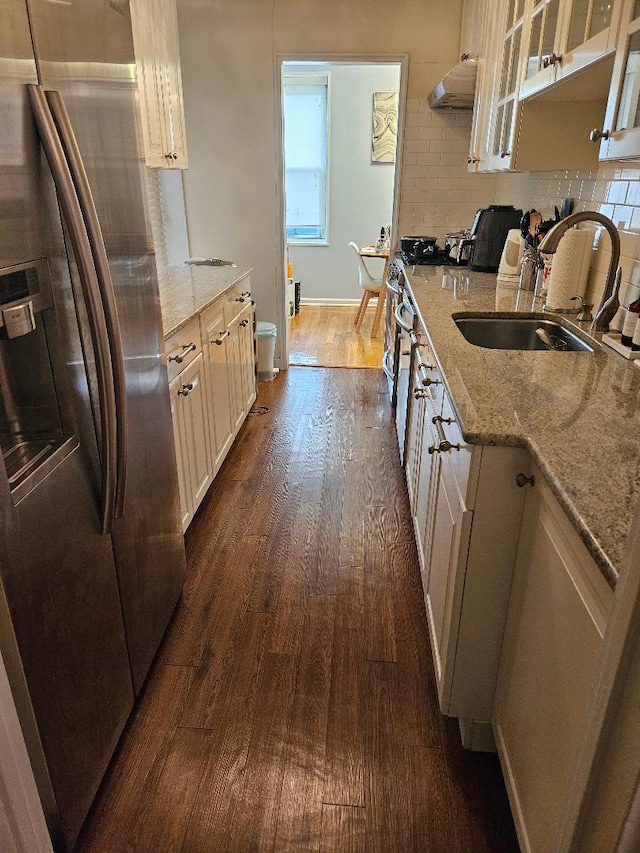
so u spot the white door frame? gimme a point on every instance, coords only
(401, 59)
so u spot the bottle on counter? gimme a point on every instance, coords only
(635, 341)
(630, 322)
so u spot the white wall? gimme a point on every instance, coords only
(228, 54)
(360, 192)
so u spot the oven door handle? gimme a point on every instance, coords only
(392, 289)
(402, 306)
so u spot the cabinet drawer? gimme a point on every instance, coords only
(236, 298)
(182, 347)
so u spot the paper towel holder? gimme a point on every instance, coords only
(582, 307)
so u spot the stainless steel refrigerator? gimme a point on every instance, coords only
(91, 550)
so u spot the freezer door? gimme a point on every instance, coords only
(85, 51)
(62, 632)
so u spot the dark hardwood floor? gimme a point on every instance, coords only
(292, 706)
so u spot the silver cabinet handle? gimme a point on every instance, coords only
(186, 349)
(426, 379)
(551, 60)
(105, 283)
(186, 389)
(81, 248)
(443, 445)
(422, 367)
(219, 341)
(243, 296)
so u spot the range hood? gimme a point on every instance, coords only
(456, 90)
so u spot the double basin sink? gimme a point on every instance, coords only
(513, 332)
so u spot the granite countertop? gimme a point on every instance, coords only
(186, 291)
(576, 412)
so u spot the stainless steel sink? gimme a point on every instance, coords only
(519, 333)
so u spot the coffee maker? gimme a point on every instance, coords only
(488, 234)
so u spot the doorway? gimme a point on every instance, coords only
(336, 190)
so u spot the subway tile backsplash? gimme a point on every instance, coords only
(613, 190)
(439, 195)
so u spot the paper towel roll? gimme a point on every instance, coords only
(570, 269)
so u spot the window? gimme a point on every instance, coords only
(305, 157)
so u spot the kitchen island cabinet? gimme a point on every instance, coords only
(557, 617)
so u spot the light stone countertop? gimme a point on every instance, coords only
(187, 290)
(576, 412)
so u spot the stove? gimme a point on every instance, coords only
(439, 258)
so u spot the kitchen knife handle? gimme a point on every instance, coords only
(81, 248)
(105, 284)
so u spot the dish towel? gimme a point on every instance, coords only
(570, 269)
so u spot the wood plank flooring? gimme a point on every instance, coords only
(324, 335)
(292, 705)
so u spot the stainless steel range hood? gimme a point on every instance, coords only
(456, 90)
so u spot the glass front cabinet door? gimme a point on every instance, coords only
(565, 37)
(620, 136)
(506, 80)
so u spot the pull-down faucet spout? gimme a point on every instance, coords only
(550, 242)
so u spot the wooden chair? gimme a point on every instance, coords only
(370, 286)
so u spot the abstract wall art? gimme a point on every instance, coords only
(385, 127)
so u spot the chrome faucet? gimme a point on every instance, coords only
(550, 242)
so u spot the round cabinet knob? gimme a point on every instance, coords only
(522, 480)
(596, 134)
(169, 156)
(504, 154)
(185, 389)
(471, 160)
(174, 155)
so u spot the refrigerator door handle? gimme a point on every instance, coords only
(91, 292)
(105, 283)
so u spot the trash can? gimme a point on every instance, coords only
(267, 334)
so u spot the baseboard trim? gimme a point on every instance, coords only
(332, 302)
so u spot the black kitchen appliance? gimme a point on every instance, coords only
(488, 233)
(418, 249)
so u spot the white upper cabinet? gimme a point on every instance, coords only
(509, 22)
(534, 111)
(619, 137)
(155, 37)
(567, 36)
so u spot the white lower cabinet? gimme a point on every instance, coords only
(466, 508)
(212, 395)
(248, 357)
(190, 429)
(556, 621)
(242, 365)
(221, 427)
